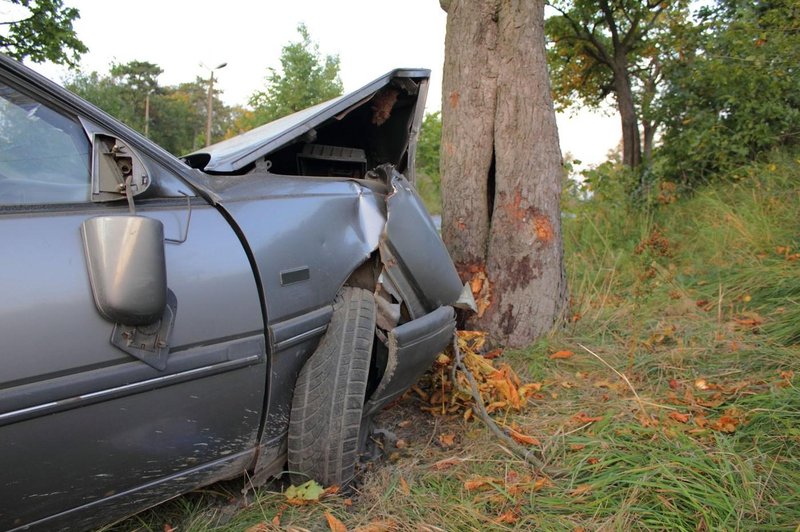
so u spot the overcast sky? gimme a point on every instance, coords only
(370, 36)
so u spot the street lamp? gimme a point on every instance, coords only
(147, 113)
(209, 106)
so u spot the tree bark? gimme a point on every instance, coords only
(501, 167)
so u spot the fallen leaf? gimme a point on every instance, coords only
(592, 460)
(726, 423)
(576, 446)
(748, 320)
(405, 423)
(304, 493)
(378, 526)
(447, 463)
(404, 486)
(331, 490)
(447, 440)
(481, 482)
(258, 527)
(443, 359)
(494, 353)
(508, 517)
(583, 489)
(680, 418)
(541, 482)
(560, 355)
(522, 438)
(334, 524)
(417, 390)
(496, 405)
(581, 417)
(348, 502)
(401, 444)
(701, 384)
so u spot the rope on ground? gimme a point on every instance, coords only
(523, 453)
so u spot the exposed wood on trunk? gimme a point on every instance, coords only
(501, 167)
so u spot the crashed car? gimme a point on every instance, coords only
(167, 323)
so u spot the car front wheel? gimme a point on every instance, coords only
(328, 399)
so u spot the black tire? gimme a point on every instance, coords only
(329, 395)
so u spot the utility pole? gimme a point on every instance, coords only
(209, 105)
(147, 114)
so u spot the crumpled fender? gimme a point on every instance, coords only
(414, 257)
(413, 347)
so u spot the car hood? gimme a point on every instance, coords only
(236, 154)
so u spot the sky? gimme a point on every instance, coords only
(371, 37)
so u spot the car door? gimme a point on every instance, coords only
(86, 426)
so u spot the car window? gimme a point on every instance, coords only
(44, 155)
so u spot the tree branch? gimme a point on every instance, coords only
(629, 37)
(12, 22)
(583, 33)
(608, 14)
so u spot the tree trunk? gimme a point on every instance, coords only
(501, 167)
(631, 141)
(649, 131)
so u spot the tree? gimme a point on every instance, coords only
(428, 151)
(177, 114)
(738, 94)
(305, 79)
(600, 47)
(45, 33)
(501, 166)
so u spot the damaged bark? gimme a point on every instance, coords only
(501, 167)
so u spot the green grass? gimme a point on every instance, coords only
(697, 303)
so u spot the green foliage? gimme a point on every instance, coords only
(618, 47)
(734, 243)
(738, 95)
(428, 148)
(177, 113)
(305, 79)
(45, 33)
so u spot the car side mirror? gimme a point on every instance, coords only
(127, 267)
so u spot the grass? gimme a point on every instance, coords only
(697, 303)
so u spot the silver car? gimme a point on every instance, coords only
(167, 323)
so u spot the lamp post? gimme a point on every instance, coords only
(209, 105)
(147, 113)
